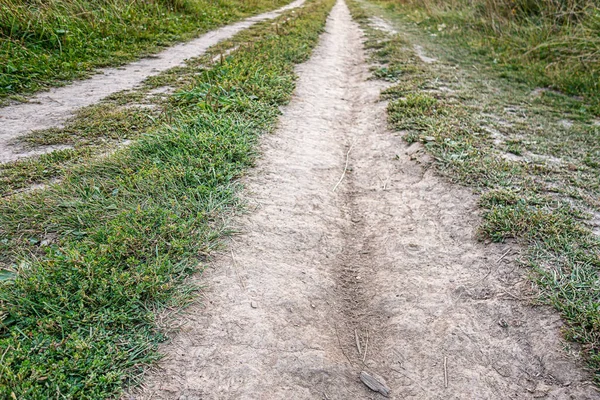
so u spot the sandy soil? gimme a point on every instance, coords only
(52, 108)
(383, 274)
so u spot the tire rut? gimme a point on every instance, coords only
(391, 252)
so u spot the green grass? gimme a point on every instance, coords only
(538, 177)
(49, 43)
(89, 262)
(99, 129)
(544, 43)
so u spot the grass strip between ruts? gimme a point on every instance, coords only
(78, 318)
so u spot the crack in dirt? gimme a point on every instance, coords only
(391, 252)
(51, 109)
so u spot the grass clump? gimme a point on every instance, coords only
(413, 112)
(48, 43)
(548, 44)
(90, 261)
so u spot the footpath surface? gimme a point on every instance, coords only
(355, 258)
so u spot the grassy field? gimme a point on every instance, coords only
(49, 43)
(89, 262)
(532, 155)
(546, 43)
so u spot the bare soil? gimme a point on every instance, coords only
(52, 108)
(384, 274)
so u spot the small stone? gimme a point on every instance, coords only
(253, 304)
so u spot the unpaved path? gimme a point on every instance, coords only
(389, 258)
(52, 108)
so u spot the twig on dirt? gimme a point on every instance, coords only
(445, 372)
(357, 342)
(515, 296)
(340, 343)
(503, 255)
(345, 167)
(366, 347)
(486, 275)
(375, 383)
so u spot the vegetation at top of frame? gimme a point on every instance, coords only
(89, 262)
(533, 157)
(547, 43)
(46, 43)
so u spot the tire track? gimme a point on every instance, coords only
(391, 251)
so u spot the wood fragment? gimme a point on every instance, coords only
(375, 383)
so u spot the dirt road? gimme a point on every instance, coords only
(52, 108)
(355, 257)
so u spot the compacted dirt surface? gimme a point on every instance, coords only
(52, 108)
(353, 257)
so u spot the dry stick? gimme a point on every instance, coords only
(517, 297)
(345, 167)
(503, 255)
(366, 347)
(445, 372)
(357, 342)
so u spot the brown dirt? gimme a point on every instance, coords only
(389, 257)
(52, 108)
